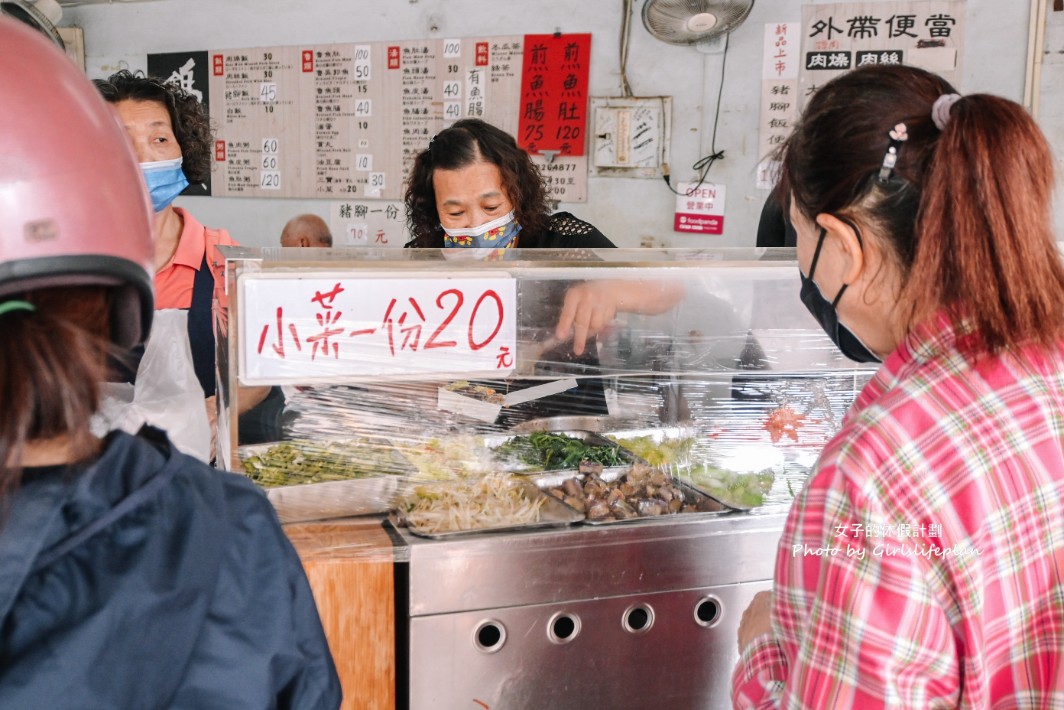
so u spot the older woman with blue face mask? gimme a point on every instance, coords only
(171, 137)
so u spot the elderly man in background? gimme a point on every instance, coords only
(306, 230)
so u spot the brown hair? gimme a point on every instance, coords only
(966, 211)
(192, 126)
(52, 361)
(462, 144)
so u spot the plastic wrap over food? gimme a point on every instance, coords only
(703, 366)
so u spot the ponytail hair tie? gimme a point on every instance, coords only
(941, 108)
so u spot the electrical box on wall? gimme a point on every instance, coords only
(630, 136)
(74, 39)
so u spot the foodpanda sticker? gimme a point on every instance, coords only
(699, 208)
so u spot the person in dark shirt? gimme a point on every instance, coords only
(774, 229)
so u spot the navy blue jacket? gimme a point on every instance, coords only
(150, 580)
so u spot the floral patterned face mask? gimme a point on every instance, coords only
(496, 234)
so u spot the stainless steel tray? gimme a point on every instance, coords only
(333, 499)
(322, 500)
(692, 496)
(554, 513)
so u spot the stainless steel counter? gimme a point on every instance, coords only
(628, 615)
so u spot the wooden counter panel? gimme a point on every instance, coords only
(349, 564)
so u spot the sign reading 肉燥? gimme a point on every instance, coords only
(334, 327)
(554, 80)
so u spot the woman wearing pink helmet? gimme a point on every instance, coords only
(133, 576)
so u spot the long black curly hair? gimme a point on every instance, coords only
(191, 124)
(463, 143)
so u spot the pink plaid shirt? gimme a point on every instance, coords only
(922, 566)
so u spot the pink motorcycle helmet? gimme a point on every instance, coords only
(73, 206)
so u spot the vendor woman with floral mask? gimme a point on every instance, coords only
(475, 187)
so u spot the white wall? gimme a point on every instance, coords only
(119, 35)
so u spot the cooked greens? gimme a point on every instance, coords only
(296, 462)
(743, 490)
(547, 451)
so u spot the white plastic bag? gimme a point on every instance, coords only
(167, 393)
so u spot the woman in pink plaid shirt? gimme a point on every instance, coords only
(922, 566)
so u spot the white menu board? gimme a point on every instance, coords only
(345, 121)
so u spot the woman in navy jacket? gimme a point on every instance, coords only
(131, 576)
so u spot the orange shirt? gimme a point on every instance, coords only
(173, 282)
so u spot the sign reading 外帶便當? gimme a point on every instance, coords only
(325, 327)
(831, 39)
(345, 121)
(843, 36)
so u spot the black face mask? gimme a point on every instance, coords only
(824, 310)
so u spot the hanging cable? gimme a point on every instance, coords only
(626, 33)
(703, 164)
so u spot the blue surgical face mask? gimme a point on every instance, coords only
(166, 180)
(496, 234)
(826, 314)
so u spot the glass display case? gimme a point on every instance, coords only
(414, 381)
(420, 346)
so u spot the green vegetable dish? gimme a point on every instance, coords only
(666, 452)
(743, 490)
(547, 451)
(297, 462)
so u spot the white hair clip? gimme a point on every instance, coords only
(898, 135)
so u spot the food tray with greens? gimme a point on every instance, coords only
(638, 492)
(740, 490)
(556, 450)
(441, 458)
(495, 502)
(316, 480)
(690, 460)
(667, 447)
